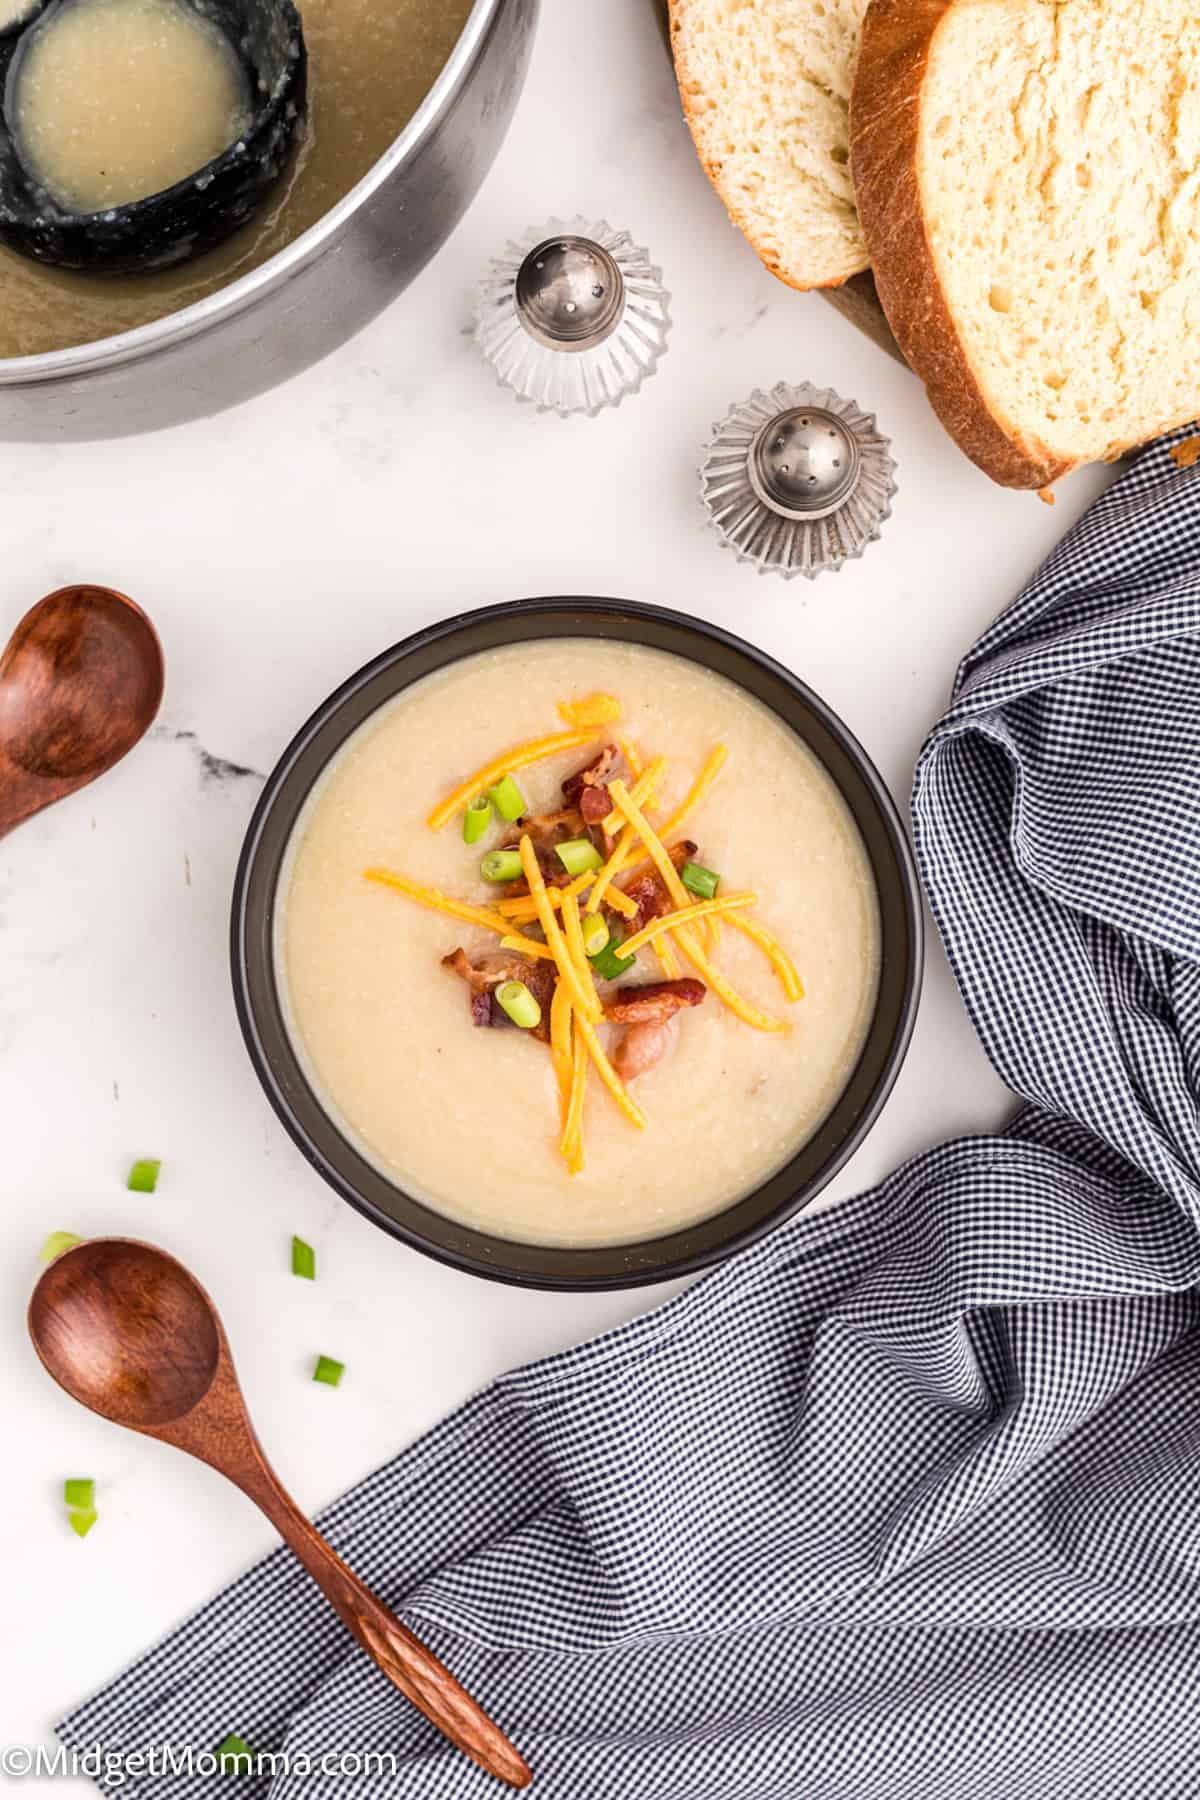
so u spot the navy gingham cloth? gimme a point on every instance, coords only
(904, 1502)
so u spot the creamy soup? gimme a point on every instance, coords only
(370, 64)
(13, 11)
(118, 99)
(467, 1119)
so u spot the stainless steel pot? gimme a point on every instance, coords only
(314, 294)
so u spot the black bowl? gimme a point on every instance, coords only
(279, 1069)
(198, 212)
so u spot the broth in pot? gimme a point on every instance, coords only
(370, 64)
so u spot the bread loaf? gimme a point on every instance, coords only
(1028, 179)
(765, 86)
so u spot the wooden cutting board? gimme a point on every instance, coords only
(856, 299)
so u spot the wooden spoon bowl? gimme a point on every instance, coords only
(130, 1334)
(81, 680)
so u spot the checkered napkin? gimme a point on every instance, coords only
(904, 1502)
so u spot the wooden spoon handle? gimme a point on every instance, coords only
(403, 1658)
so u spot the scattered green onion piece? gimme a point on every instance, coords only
(143, 1177)
(595, 934)
(81, 1519)
(304, 1260)
(519, 1004)
(476, 819)
(80, 1493)
(578, 856)
(607, 963)
(507, 799)
(57, 1242)
(236, 1756)
(501, 865)
(699, 880)
(329, 1371)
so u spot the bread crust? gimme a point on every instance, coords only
(885, 126)
(713, 170)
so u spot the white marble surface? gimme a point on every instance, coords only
(277, 548)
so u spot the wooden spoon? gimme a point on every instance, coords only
(129, 1333)
(80, 680)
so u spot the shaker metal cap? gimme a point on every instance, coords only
(573, 317)
(798, 480)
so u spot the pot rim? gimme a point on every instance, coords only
(236, 296)
(510, 1261)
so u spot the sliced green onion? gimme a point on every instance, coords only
(329, 1371)
(699, 880)
(235, 1754)
(476, 819)
(80, 1493)
(595, 934)
(501, 865)
(82, 1519)
(57, 1242)
(519, 1004)
(507, 799)
(143, 1177)
(578, 856)
(304, 1260)
(607, 963)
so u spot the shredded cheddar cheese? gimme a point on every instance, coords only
(560, 1040)
(702, 909)
(588, 1006)
(594, 709)
(750, 1015)
(628, 808)
(571, 1146)
(573, 931)
(782, 963)
(620, 903)
(632, 756)
(519, 757)
(516, 940)
(642, 789)
(521, 909)
(714, 762)
(439, 902)
(523, 906)
(608, 1074)
(668, 961)
(604, 877)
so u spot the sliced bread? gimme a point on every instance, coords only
(1026, 176)
(766, 89)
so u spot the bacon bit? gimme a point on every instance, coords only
(641, 1048)
(654, 1001)
(648, 891)
(587, 789)
(486, 974)
(1187, 454)
(595, 806)
(544, 830)
(595, 775)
